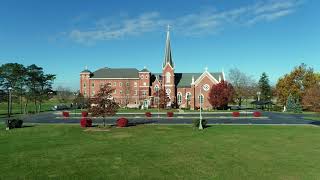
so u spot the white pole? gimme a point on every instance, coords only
(200, 101)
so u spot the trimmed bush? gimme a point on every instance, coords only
(15, 123)
(65, 114)
(236, 114)
(196, 123)
(122, 122)
(169, 114)
(256, 114)
(86, 122)
(148, 114)
(84, 114)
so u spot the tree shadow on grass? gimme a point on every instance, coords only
(140, 123)
(316, 123)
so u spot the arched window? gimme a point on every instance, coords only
(179, 98)
(168, 77)
(156, 88)
(188, 96)
(201, 99)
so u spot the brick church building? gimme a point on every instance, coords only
(134, 88)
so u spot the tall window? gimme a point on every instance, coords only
(135, 84)
(156, 88)
(120, 84)
(188, 96)
(201, 99)
(168, 77)
(127, 83)
(92, 84)
(179, 98)
(115, 84)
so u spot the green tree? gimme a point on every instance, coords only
(293, 105)
(13, 75)
(295, 83)
(39, 85)
(264, 87)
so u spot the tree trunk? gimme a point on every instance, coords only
(35, 106)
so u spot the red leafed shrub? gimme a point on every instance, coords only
(84, 114)
(65, 114)
(86, 122)
(236, 114)
(148, 114)
(122, 122)
(256, 114)
(169, 114)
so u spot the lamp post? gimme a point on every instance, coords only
(74, 106)
(200, 101)
(158, 103)
(9, 102)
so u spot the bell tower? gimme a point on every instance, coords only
(168, 70)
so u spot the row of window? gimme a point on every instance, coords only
(142, 76)
(114, 84)
(188, 97)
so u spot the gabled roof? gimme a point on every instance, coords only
(185, 79)
(116, 73)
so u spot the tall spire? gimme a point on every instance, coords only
(167, 53)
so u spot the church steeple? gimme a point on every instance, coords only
(167, 53)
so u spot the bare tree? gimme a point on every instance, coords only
(64, 94)
(245, 87)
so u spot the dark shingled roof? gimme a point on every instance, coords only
(116, 73)
(144, 70)
(86, 71)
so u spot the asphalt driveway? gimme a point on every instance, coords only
(185, 118)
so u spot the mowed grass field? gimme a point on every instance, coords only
(161, 152)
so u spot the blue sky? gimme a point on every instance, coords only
(63, 37)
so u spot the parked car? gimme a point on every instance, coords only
(60, 107)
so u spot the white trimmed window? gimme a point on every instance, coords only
(179, 98)
(114, 83)
(136, 92)
(188, 96)
(168, 77)
(115, 92)
(120, 84)
(144, 83)
(135, 84)
(127, 84)
(206, 87)
(201, 99)
(156, 88)
(141, 76)
(120, 91)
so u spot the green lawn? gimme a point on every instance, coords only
(161, 152)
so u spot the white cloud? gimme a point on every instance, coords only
(194, 24)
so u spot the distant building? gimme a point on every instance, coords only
(139, 87)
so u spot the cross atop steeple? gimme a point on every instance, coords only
(167, 53)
